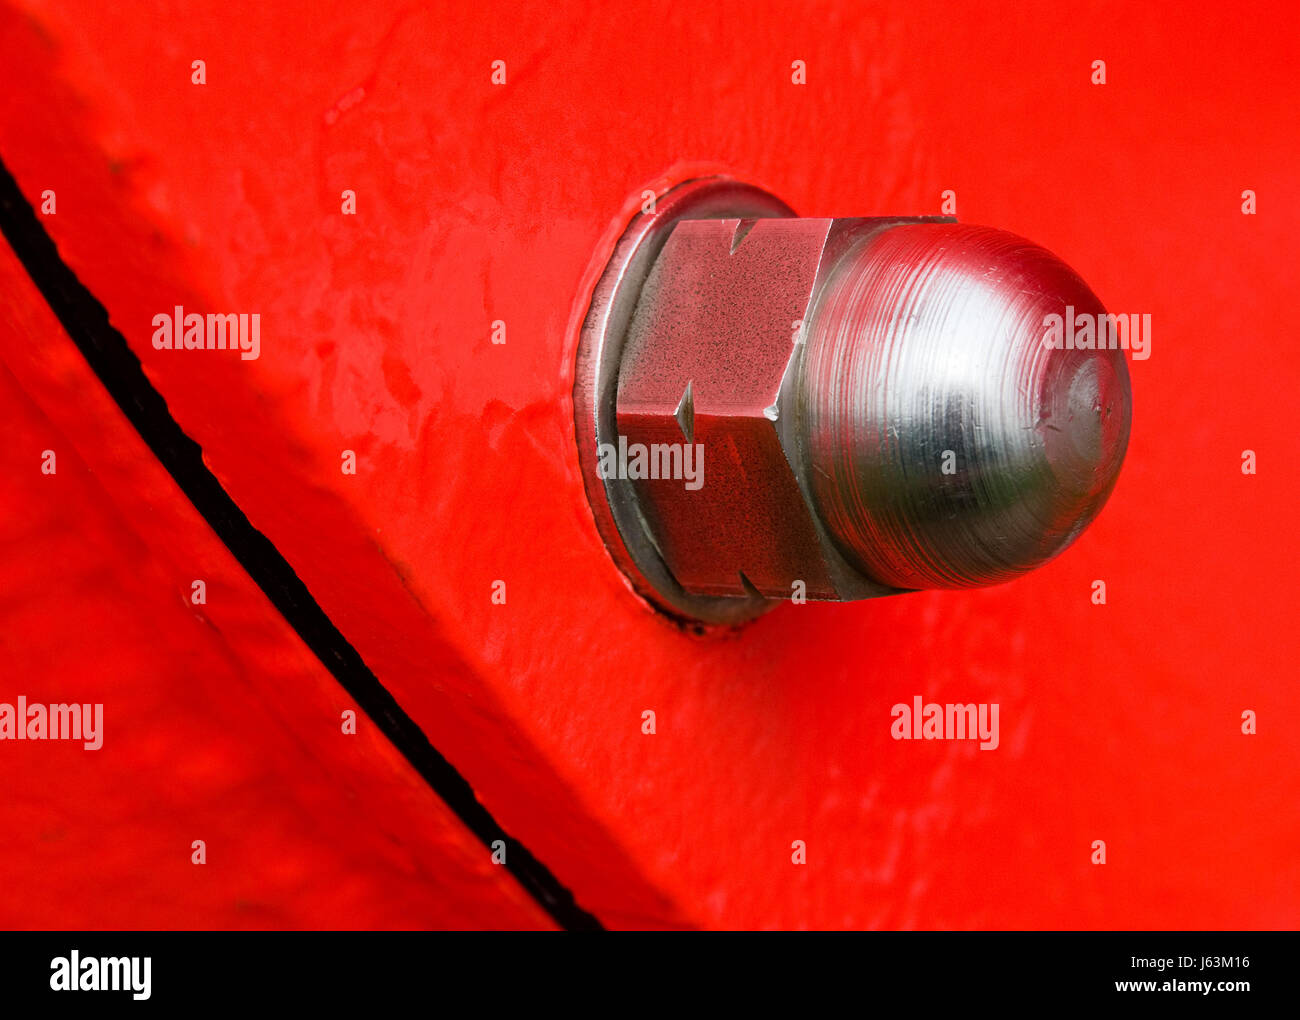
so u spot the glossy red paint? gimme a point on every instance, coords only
(478, 203)
(218, 724)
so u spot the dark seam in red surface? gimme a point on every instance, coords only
(106, 351)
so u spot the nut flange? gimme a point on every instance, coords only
(614, 500)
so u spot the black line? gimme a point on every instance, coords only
(106, 350)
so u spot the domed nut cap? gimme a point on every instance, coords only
(952, 439)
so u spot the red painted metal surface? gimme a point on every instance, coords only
(218, 724)
(479, 202)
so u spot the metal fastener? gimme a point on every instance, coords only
(839, 407)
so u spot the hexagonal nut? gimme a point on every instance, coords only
(716, 332)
